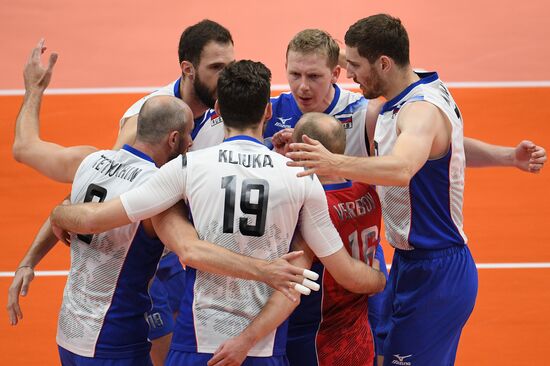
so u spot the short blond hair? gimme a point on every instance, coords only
(315, 41)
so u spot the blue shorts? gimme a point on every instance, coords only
(161, 316)
(432, 293)
(71, 359)
(379, 307)
(178, 358)
(172, 275)
(166, 292)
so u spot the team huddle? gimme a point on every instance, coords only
(228, 227)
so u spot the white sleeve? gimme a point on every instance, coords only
(163, 190)
(315, 223)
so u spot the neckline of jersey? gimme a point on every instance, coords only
(177, 93)
(336, 186)
(136, 152)
(243, 137)
(425, 78)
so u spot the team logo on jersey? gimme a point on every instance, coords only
(282, 122)
(215, 119)
(400, 360)
(346, 119)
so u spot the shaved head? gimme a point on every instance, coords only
(161, 115)
(323, 128)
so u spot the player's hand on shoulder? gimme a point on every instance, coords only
(529, 157)
(19, 286)
(37, 76)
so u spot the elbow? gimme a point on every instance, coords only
(18, 152)
(185, 252)
(403, 177)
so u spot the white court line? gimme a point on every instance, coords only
(529, 265)
(276, 87)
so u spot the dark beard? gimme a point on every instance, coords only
(203, 93)
(375, 89)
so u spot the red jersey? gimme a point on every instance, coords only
(333, 323)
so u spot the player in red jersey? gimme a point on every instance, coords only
(332, 327)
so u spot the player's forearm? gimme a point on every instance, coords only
(368, 279)
(90, 217)
(181, 238)
(179, 235)
(481, 154)
(352, 274)
(384, 170)
(26, 126)
(44, 241)
(277, 309)
(208, 257)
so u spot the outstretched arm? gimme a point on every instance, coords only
(526, 156)
(418, 123)
(53, 160)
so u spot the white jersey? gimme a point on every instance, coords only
(347, 107)
(428, 213)
(105, 298)
(242, 196)
(208, 130)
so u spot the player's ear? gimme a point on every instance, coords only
(335, 74)
(187, 69)
(173, 139)
(217, 108)
(268, 111)
(385, 63)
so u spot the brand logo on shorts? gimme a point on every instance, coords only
(400, 360)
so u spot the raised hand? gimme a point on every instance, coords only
(37, 76)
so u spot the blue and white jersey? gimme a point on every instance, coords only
(105, 298)
(244, 198)
(428, 213)
(348, 107)
(208, 130)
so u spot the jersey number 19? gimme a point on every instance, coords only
(258, 209)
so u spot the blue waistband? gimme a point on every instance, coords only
(428, 253)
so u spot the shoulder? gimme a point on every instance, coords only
(134, 108)
(282, 101)
(350, 102)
